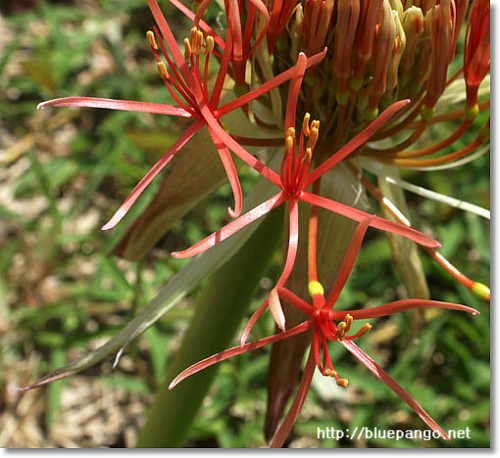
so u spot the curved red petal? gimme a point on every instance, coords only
(393, 385)
(231, 228)
(347, 264)
(377, 222)
(268, 85)
(112, 104)
(356, 142)
(202, 24)
(298, 402)
(399, 306)
(223, 355)
(155, 170)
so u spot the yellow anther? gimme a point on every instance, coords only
(343, 382)
(288, 144)
(305, 124)
(363, 330)
(162, 70)
(348, 320)
(150, 37)
(330, 372)
(195, 41)
(315, 287)
(290, 137)
(314, 134)
(199, 41)
(341, 330)
(192, 36)
(307, 156)
(210, 43)
(481, 290)
(187, 49)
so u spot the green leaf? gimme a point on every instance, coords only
(178, 287)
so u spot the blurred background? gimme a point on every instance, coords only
(63, 174)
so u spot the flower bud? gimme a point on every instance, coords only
(370, 13)
(385, 34)
(477, 48)
(316, 23)
(422, 64)
(396, 55)
(345, 33)
(442, 33)
(413, 25)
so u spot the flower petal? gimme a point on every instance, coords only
(155, 170)
(379, 223)
(236, 148)
(276, 309)
(112, 104)
(293, 241)
(232, 176)
(223, 355)
(393, 385)
(202, 24)
(298, 402)
(399, 306)
(268, 85)
(231, 228)
(295, 300)
(356, 142)
(347, 264)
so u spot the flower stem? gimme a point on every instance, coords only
(221, 308)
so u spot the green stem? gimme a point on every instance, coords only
(221, 309)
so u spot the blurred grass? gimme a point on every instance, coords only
(64, 172)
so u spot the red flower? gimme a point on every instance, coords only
(321, 320)
(186, 80)
(293, 180)
(477, 48)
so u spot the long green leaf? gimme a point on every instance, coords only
(178, 287)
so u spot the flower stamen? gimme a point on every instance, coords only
(150, 37)
(162, 70)
(343, 382)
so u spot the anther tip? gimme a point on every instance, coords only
(343, 382)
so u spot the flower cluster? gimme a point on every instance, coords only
(354, 74)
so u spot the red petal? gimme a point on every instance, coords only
(267, 86)
(276, 310)
(231, 174)
(231, 228)
(297, 404)
(293, 91)
(293, 241)
(112, 104)
(399, 306)
(251, 322)
(356, 142)
(350, 257)
(155, 170)
(223, 355)
(202, 24)
(296, 301)
(393, 385)
(379, 223)
(236, 148)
